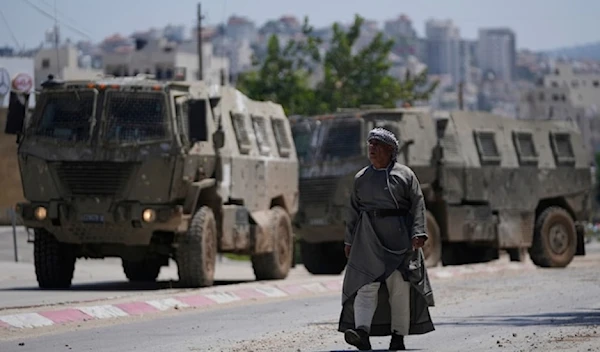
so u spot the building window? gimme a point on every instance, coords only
(241, 133)
(574, 83)
(596, 84)
(262, 135)
(525, 147)
(281, 137)
(487, 147)
(46, 63)
(555, 84)
(541, 96)
(555, 97)
(557, 72)
(562, 148)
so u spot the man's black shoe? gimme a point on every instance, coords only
(358, 338)
(397, 343)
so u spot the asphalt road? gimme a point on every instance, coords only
(95, 279)
(533, 310)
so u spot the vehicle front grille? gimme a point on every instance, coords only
(317, 190)
(93, 178)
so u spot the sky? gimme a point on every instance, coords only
(538, 24)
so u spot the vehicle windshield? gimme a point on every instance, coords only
(135, 116)
(328, 139)
(303, 134)
(341, 138)
(66, 115)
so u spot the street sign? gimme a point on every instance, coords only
(4, 82)
(22, 83)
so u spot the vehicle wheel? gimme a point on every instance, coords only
(326, 258)
(276, 265)
(146, 270)
(432, 250)
(197, 250)
(54, 261)
(554, 239)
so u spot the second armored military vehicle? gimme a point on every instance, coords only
(148, 170)
(490, 183)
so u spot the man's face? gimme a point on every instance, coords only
(380, 153)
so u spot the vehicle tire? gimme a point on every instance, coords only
(146, 270)
(197, 250)
(325, 258)
(554, 239)
(276, 265)
(432, 250)
(54, 261)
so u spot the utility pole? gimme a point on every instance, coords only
(200, 17)
(460, 95)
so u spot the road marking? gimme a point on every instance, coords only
(26, 320)
(103, 312)
(222, 297)
(65, 315)
(271, 291)
(165, 304)
(136, 308)
(315, 287)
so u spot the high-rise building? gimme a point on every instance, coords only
(497, 52)
(443, 48)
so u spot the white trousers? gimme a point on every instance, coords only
(366, 301)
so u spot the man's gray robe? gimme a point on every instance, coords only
(381, 245)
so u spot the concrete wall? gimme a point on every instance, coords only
(11, 190)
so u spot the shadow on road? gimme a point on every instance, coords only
(122, 286)
(577, 318)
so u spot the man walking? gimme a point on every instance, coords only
(386, 290)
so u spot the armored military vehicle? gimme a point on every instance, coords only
(148, 170)
(490, 183)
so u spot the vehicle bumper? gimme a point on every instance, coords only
(121, 223)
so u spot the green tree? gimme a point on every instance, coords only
(351, 77)
(360, 78)
(416, 88)
(283, 76)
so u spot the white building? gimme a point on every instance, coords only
(497, 52)
(584, 86)
(15, 65)
(556, 103)
(167, 61)
(62, 62)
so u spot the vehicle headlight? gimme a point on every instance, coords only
(40, 213)
(149, 215)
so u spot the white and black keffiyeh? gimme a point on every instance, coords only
(387, 137)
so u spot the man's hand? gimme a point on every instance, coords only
(347, 250)
(418, 242)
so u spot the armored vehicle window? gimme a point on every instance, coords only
(262, 136)
(303, 134)
(562, 148)
(196, 120)
(281, 137)
(486, 145)
(525, 147)
(241, 133)
(135, 116)
(343, 139)
(67, 115)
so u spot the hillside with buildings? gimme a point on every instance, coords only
(495, 76)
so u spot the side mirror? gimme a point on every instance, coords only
(17, 108)
(219, 139)
(441, 125)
